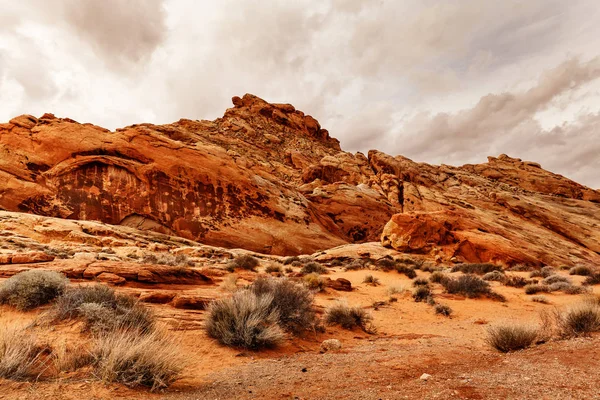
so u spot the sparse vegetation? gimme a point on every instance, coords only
(437, 277)
(245, 261)
(395, 290)
(511, 337)
(592, 279)
(443, 309)
(420, 282)
(542, 273)
(314, 282)
(421, 293)
(349, 317)
(20, 356)
(470, 286)
(313, 267)
(371, 280)
(152, 360)
(33, 288)
(540, 299)
(273, 269)
(476, 268)
(556, 279)
(290, 260)
(536, 288)
(516, 281)
(579, 320)
(355, 265)
(581, 270)
(386, 264)
(497, 276)
(408, 271)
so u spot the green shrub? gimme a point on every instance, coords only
(349, 317)
(33, 288)
(511, 337)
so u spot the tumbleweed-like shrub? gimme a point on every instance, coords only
(33, 288)
(511, 337)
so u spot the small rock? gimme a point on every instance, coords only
(425, 377)
(330, 345)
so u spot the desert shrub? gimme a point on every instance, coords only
(572, 289)
(150, 259)
(33, 288)
(536, 288)
(511, 337)
(476, 268)
(355, 265)
(273, 268)
(559, 286)
(289, 270)
(289, 260)
(349, 317)
(542, 273)
(517, 281)
(244, 320)
(556, 279)
(540, 299)
(152, 360)
(410, 261)
(581, 270)
(313, 267)
(296, 264)
(420, 282)
(293, 303)
(421, 293)
(314, 282)
(520, 268)
(371, 280)
(497, 276)
(245, 261)
(593, 279)
(437, 277)
(579, 320)
(468, 285)
(102, 309)
(386, 264)
(443, 309)
(408, 271)
(20, 356)
(395, 290)
(336, 263)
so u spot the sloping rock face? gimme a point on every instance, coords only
(267, 178)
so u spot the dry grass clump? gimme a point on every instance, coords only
(579, 320)
(556, 279)
(102, 310)
(421, 293)
(408, 271)
(470, 286)
(511, 337)
(497, 276)
(289, 260)
(536, 288)
(245, 261)
(437, 277)
(371, 280)
(516, 281)
(20, 356)
(273, 269)
(33, 288)
(476, 268)
(540, 299)
(592, 279)
(349, 317)
(581, 270)
(443, 309)
(395, 290)
(244, 320)
(313, 267)
(420, 282)
(542, 273)
(314, 282)
(293, 302)
(153, 360)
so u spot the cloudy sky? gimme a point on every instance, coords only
(448, 81)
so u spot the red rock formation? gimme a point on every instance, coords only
(266, 177)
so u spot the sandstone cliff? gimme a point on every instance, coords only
(266, 177)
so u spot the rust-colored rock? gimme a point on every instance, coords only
(113, 279)
(189, 302)
(25, 258)
(339, 284)
(157, 297)
(418, 232)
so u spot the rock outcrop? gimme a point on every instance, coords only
(267, 178)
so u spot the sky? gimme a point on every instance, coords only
(443, 82)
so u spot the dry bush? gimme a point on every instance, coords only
(102, 309)
(290, 260)
(556, 279)
(520, 268)
(517, 281)
(540, 299)
(581, 270)
(20, 356)
(420, 282)
(314, 282)
(244, 320)
(578, 320)
(511, 337)
(542, 273)
(437, 277)
(421, 293)
(152, 360)
(313, 267)
(496, 276)
(470, 286)
(396, 289)
(273, 268)
(245, 261)
(371, 280)
(535, 288)
(292, 302)
(408, 271)
(230, 283)
(443, 309)
(476, 268)
(430, 267)
(386, 264)
(33, 288)
(355, 265)
(593, 279)
(349, 317)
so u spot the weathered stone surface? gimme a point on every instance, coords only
(112, 279)
(340, 284)
(157, 297)
(190, 302)
(25, 258)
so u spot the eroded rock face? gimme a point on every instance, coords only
(267, 178)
